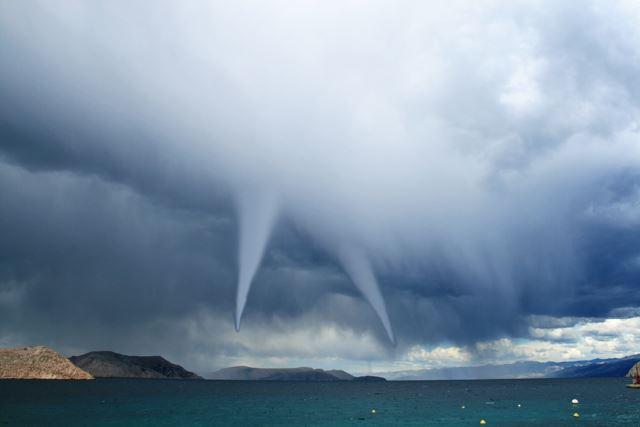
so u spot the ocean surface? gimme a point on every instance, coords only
(543, 402)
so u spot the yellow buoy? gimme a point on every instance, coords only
(483, 422)
(576, 415)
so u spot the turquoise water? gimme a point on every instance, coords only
(544, 402)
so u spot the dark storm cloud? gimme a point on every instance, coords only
(481, 167)
(88, 253)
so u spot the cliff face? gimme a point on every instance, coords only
(38, 363)
(107, 364)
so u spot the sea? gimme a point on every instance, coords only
(123, 402)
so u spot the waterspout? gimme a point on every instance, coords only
(358, 268)
(257, 212)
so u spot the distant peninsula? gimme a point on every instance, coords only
(246, 373)
(613, 367)
(107, 364)
(38, 363)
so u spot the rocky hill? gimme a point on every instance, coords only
(107, 364)
(38, 363)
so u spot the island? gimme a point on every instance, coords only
(247, 373)
(108, 364)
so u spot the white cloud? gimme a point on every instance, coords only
(586, 339)
(438, 356)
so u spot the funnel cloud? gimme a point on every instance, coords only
(360, 272)
(256, 217)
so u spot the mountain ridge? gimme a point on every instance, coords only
(599, 368)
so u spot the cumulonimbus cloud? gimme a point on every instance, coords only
(483, 140)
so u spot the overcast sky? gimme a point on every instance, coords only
(356, 184)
